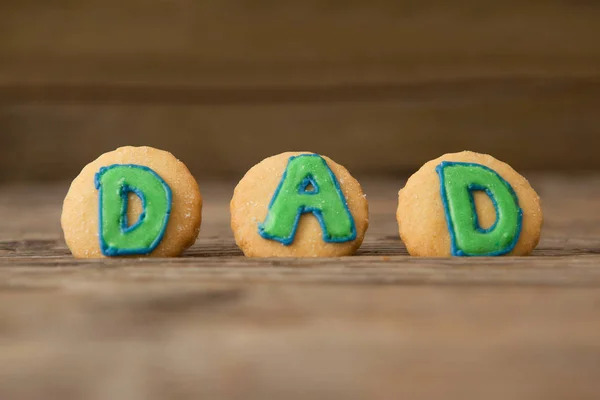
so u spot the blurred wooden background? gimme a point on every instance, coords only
(380, 85)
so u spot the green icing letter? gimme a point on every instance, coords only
(458, 182)
(308, 186)
(114, 183)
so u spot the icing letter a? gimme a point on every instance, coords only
(458, 182)
(308, 186)
(114, 183)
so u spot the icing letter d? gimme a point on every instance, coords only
(308, 186)
(458, 181)
(114, 183)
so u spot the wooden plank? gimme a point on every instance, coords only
(380, 325)
(287, 341)
(526, 123)
(155, 340)
(382, 86)
(258, 43)
(571, 235)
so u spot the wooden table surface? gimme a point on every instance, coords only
(379, 325)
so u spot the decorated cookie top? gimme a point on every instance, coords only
(298, 204)
(308, 186)
(117, 236)
(134, 201)
(458, 183)
(468, 204)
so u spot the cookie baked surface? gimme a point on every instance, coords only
(468, 204)
(298, 204)
(133, 201)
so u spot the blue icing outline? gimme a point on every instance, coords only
(479, 188)
(309, 180)
(472, 188)
(125, 190)
(286, 241)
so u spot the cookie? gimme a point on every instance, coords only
(298, 204)
(134, 201)
(468, 204)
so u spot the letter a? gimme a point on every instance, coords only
(308, 186)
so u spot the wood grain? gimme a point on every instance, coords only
(264, 42)
(380, 86)
(380, 325)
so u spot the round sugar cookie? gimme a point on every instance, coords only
(298, 204)
(468, 204)
(133, 201)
